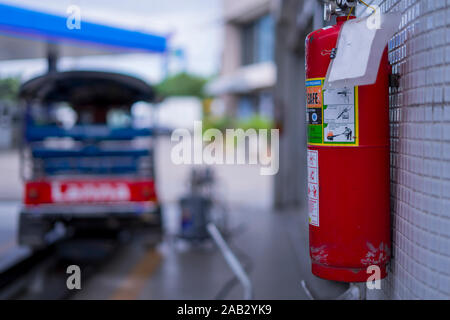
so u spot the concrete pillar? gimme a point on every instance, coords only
(293, 24)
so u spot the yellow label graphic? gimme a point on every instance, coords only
(332, 114)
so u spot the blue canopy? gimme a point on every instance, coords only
(37, 25)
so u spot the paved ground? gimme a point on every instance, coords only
(236, 184)
(273, 245)
(179, 271)
(269, 245)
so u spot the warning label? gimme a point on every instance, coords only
(313, 187)
(314, 96)
(314, 110)
(331, 114)
(339, 123)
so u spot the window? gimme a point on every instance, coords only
(258, 103)
(258, 40)
(247, 106)
(265, 39)
(248, 44)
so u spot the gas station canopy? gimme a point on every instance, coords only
(25, 34)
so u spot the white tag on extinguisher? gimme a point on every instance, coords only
(359, 50)
(313, 187)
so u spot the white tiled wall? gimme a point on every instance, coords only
(420, 152)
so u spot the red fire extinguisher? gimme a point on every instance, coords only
(348, 166)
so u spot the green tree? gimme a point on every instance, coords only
(182, 84)
(9, 88)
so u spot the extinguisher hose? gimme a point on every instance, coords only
(368, 6)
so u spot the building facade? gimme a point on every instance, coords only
(248, 71)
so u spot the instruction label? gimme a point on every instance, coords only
(313, 187)
(331, 114)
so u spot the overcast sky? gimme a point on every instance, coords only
(194, 24)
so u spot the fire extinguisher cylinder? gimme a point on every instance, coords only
(348, 167)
